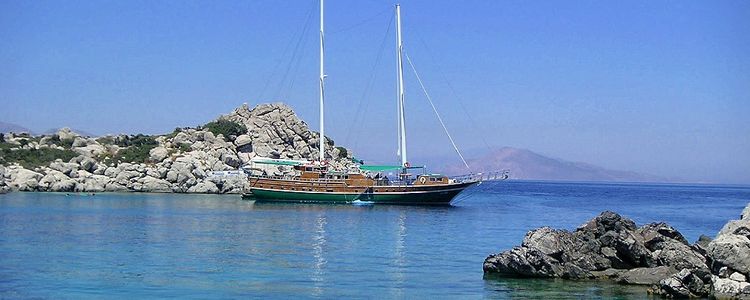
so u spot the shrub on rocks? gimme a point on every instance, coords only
(226, 128)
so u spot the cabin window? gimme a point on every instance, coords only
(330, 191)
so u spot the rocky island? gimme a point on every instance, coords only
(611, 247)
(188, 160)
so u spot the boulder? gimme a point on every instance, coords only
(66, 134)
(158, 154)
(65, 168)
(52, 178)
(24, 180)
(737, 276)
(80, 142)
(66, 185)
(725, 288)
(645, 276)
(155, 185)
(182, 138)
(204, 187)
(606, 242)
(731, 248)
(91, 150)
(244, 143)
(124, 177)
(684, 284)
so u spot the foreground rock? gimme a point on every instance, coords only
(614, 248)
(186, 161)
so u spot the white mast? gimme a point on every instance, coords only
(402, 128)
(322, 78)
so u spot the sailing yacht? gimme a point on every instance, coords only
(316, 182)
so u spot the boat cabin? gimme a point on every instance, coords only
(431, 179)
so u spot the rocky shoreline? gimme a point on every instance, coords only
(611, 247)
(188, 160)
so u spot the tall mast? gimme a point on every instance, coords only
(401, 125)
(322, 95)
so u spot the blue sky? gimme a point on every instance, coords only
(658, 87)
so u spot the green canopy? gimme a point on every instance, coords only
(374, 168)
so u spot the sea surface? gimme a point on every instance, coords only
(136, 246)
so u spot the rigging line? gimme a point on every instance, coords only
(357, 127)
(277, 65)
(365, 21)
(296, 66)
(296, 49)
(453, 91)
(408, 59)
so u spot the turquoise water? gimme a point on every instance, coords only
(202, 246)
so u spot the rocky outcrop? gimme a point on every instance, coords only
(184, 161)
(612, 247)
(609, 246)
(730, 256)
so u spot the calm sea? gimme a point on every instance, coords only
(198, 246)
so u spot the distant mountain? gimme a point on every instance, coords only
(10, 127)
(78, 131)
(525, 164)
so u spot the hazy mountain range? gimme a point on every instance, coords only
(525, 164)
(10, 127)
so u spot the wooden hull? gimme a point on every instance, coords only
(403, 195)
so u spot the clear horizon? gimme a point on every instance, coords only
(651, 87)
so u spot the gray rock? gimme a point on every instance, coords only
(158, 154)
(724, 288)
(244, 143)
(67, 185)
(24, 180)
(737, 276)
(182, 138)
(66, 134)
(124, 177)
(155, 185)
(111, 172)
(88, 164)
(52, 178)
(204, 187)
(90, 150)
(684, 284)
(680, 256)
(80, 142)
(644, 255)
(731, 250)
(549, 241)
(115, 187)
(645, 276)
(65, 168)
(95, 183)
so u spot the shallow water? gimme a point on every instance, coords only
(205, 246)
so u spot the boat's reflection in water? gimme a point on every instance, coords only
(319, 243)
(341, 240)
(399, 257)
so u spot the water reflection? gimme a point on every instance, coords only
(319, 243)
(399, 257)
(539, 288)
